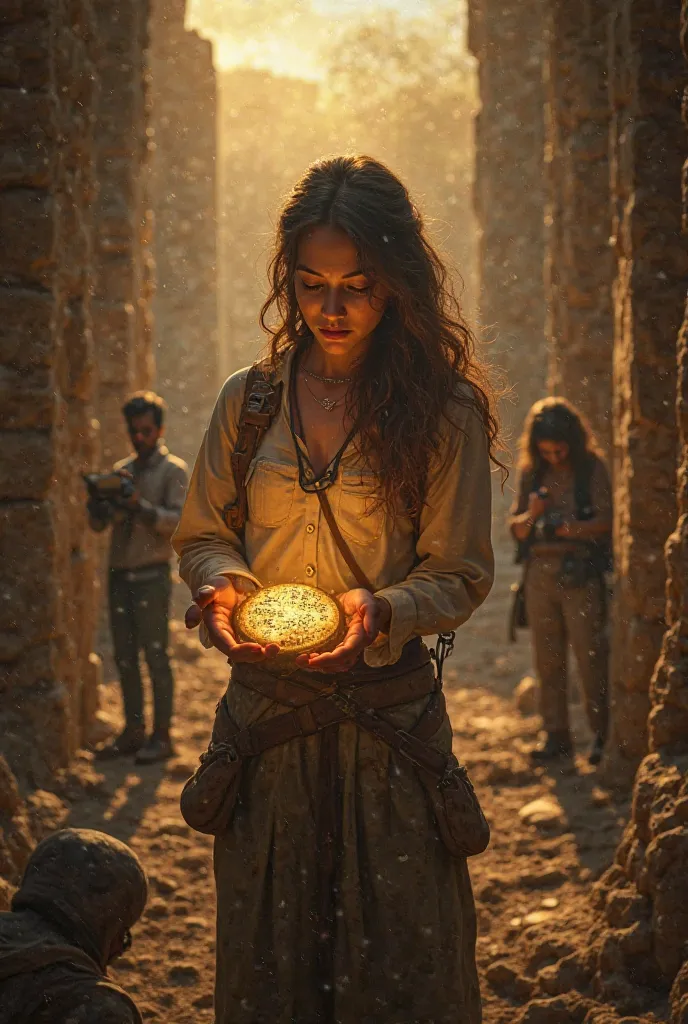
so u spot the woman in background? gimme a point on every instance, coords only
(562, 520)
(336, 899)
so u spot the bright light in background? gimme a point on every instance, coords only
(285, 36)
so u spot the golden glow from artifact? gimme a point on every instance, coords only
(301, 619)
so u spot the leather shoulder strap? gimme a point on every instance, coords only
(262, 399)
(344, 549)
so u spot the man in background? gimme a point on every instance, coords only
(143, 517)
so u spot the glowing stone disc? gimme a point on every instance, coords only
(301, 619)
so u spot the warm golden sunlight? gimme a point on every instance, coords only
(300, 81)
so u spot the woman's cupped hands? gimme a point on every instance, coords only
(214, 604)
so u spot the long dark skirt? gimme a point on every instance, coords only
(378, 929)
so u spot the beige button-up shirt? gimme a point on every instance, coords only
(161, 480)
(433, 581)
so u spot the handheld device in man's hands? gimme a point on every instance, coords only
(109, 487)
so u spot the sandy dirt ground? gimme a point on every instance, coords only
(532, 886)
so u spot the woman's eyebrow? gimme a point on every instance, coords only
(315, 273)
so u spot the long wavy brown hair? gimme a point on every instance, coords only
(423, 352)
(556, 419)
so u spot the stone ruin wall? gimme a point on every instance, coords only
(123, 219)
(47, 396)
(48, 384)
(579, 263)
(509, 194)
(642, 897)
(73, 342)
(183, 92)
(647, 149)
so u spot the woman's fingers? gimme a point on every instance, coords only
(204, 596)
(221, 636)
(193, 616)
(342, 658)
(369, 621)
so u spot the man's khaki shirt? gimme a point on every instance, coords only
(161, 480)
(433, 582)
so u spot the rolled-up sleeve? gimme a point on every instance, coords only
(205, 544)
(455, 563)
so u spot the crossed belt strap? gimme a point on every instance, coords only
(310, 716)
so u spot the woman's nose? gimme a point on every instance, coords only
(333, 305)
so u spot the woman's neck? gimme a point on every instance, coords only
(328, 365)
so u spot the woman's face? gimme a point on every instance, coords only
(340, 304)
(556, 453)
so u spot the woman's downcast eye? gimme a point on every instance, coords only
(356, 290)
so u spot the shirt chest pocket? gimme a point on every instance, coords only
(270, 489)
(356, 493)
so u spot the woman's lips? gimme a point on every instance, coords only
(328, 332)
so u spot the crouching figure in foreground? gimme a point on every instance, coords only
(81, 893)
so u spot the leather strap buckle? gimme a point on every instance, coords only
(258, 403)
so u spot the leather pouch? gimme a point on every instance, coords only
(209, 797)
(460, 819)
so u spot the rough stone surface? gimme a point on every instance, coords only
(183, 184)
(48, 96)
(122, 258)
(509, 192)
(647, 149)
(579, 262)
(643, 893)
(74, 280)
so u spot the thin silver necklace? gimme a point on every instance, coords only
(328, 404)
(328, 380)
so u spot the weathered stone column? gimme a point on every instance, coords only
(646, 155)
(507, 38)
(642, 895)
(47, 385)
(579, 262)
(183, 93)
(121, 307)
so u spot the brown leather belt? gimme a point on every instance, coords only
(314, 709)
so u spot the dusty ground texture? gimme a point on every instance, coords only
(533, 887)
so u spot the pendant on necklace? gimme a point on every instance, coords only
(328, 404)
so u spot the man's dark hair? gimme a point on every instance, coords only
(142, 402)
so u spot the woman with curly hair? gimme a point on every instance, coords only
(562, 520)
(336, 897)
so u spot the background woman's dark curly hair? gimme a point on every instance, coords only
(423, 352)
(556, 419)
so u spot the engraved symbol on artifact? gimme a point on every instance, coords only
(301, 619)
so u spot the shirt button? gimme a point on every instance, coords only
(310, 570)
(310, 528)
